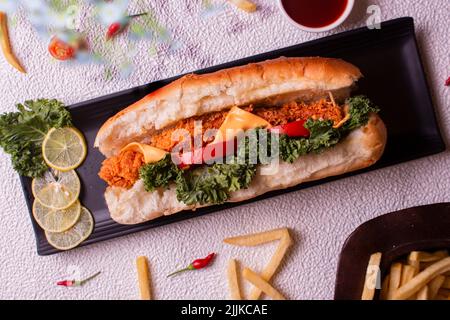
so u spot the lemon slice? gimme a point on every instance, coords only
(57, 190)
(64, 149)
(56, 220)
(74, 236)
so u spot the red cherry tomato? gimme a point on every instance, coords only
(207, 154)
(61, 50)
(293, 129)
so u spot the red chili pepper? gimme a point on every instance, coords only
(293, 129)
(113, 30)
(66, 283)
(447, 83)
(196, 264)
(117, 27)
(76, 283)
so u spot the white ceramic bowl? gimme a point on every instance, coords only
(338, 22)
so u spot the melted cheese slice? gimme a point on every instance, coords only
(151, 154)
(238, 120)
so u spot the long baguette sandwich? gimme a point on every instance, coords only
(199, 141)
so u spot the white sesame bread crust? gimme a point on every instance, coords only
(273, 81)
(360, 149)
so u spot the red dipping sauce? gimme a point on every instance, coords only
(315, 13)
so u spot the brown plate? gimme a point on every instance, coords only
(394, 235)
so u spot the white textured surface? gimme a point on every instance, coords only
(321, 217)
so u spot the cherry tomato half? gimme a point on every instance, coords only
(61, 50)
(293, 129)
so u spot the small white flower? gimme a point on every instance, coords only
(57, 20)
(8, 6)
(110, 12)
(34, 5)
(38, 12)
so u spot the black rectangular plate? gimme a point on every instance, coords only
(395, 235)
(394, 79)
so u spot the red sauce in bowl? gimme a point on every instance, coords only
(315, 13)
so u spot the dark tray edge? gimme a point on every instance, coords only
(143, 90)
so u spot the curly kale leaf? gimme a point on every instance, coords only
(213, 184)
(360, 109)
(322, 135)
(159, 174)
(22, 133)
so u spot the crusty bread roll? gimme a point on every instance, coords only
(270, 83)
(274, 81)
(360, 149)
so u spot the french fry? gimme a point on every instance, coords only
(143, 278)
(256, 239)
(273, 264)
(413, 261)
(262, 284)
(245, 5)
(446, 284)
(431, 257)
(407, 274)
(425, 257)
(423, 294)
(420, 280)
(435, 285)
(233, 280)
(6, 44)
(424, 265)
(395, 279)
(372, 274)
(445, 292)
(385, 288)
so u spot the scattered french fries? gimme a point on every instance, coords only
(143, 278)
(372, 275)
(262, 284)
(273, 264)
(260, 281)
(233, 280)
(245, 5)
